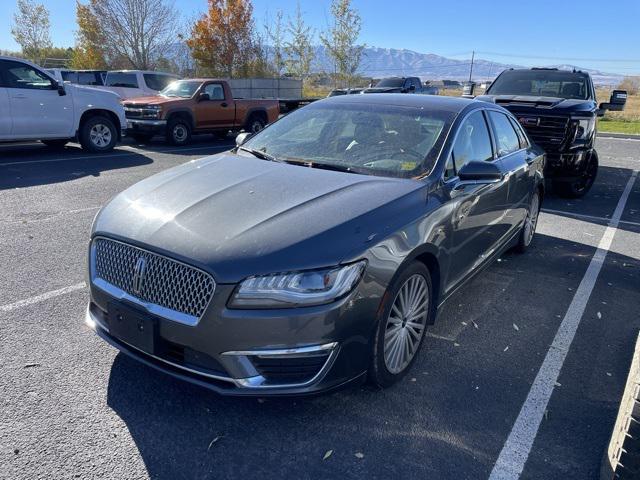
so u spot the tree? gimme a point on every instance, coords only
(341, 40)
(631, 85)
(222, 41)
(30, 29)
(275, 36)
(90, 51)
(132, 32)
(298, 48)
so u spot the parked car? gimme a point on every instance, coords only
(396, 85)
(196, 106)
(316, 253)
(80, 77)
(558, 108)
(35, 106)
(344, 91)
(137, 83)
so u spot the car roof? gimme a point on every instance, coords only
(451, 104)
(143, 71)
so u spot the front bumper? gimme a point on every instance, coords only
(567, 166)
(146, 126)
(256, 352)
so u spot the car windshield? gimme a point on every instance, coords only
(390, 82)
(541, 83)
(181, 88)
(372, 139)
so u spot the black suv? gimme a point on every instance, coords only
(558, 109)
(396, 85)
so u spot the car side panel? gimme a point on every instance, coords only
(6, 121)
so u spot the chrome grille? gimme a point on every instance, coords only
(549, 132)
(167, 283)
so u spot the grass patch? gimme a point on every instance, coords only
(619, 126)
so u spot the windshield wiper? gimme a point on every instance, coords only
(324, 166)
(259, 154)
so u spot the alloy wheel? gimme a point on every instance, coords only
(406, 323)
(532, 219)
(100, 135)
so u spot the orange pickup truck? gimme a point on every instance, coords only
(195, 106)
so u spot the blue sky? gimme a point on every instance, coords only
(508, 31)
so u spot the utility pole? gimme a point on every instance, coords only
(473, 54)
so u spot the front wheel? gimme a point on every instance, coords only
(530, 224)
(402, 326)
(178, 131)
(98, 134)
(580, 186)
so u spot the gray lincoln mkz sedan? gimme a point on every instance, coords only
(316, 253)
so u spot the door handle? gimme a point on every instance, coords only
(224, 104)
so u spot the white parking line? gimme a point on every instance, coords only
(94, 157)
(42, 297)
(517, 448)
(587, 217)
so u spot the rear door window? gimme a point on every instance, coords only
(88, 78)
(122, 79)
(507, 140)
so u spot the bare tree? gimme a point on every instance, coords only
(30, 29)
(298, 47)
(275, 36)
(136, 31)
(341, 40)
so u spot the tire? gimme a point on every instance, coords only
(55, 143)
(178, 131)
(255, 123)
(393, 355)
(530, 223)
(142, 137)
(580, 186)
(98, 134)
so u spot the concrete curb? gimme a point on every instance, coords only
(622, 458)
(627, 136)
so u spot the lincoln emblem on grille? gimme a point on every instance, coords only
(529, 121)
(139, 272)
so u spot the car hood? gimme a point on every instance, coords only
(527, 103)
(92, 91)
(154, 100)
(237, 216)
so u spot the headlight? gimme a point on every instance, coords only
(297, 289)
(584, 127)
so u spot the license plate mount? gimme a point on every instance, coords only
(133, 327)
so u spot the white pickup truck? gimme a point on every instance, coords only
(34, 106)
(136, 83)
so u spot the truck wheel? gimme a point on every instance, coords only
(580, 186)
(55, 143)
(255, 123)
(178, 131)
(98, 134)
(142, 137)
(402, 326)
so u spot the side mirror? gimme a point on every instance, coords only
(480, 172)
(203, 97)
(616, 102)
(242, 138)
(60, 87)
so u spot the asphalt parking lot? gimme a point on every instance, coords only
(72, 407)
